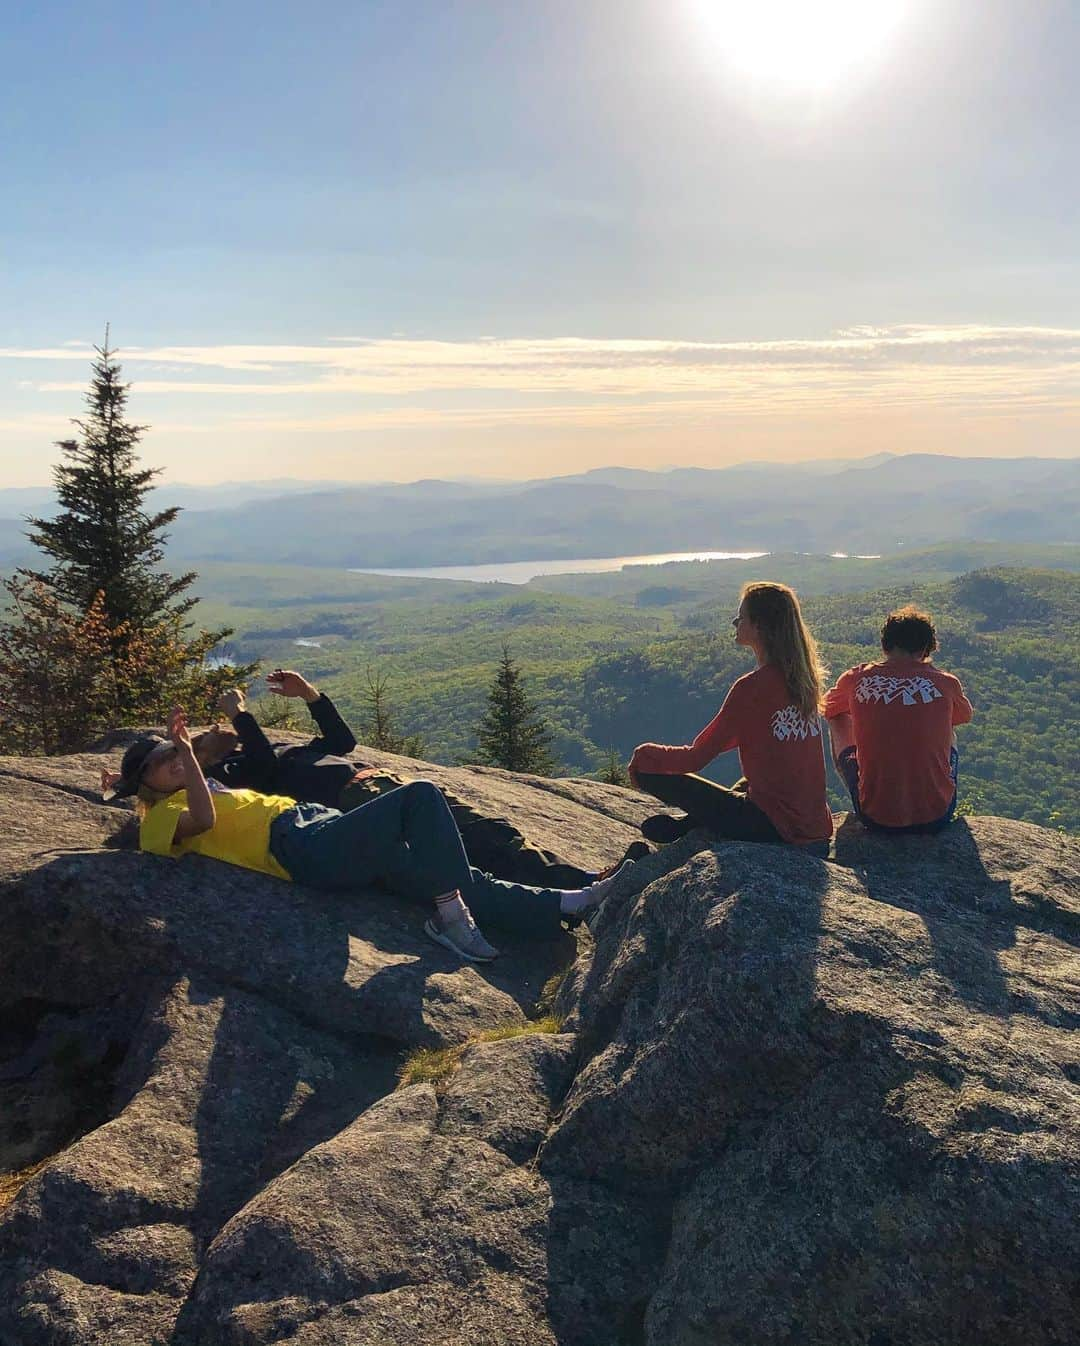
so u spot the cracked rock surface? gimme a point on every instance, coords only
(791, 1102)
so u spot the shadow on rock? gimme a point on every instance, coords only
(274, 1016)
(970, 914)
(84, 924)
(692, 1021)
(830, 1137)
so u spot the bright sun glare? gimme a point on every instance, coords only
(800, 43)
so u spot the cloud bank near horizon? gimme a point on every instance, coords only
(1019, 365)
(980, 383)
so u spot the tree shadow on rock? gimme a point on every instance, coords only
(272, 1091)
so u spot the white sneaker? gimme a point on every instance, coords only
(463, 938)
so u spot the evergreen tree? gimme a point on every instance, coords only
(512, 734)
(101, 638)
(67, 676)
(103, 540)
(55, 672)
(379, 727)
(614, 771)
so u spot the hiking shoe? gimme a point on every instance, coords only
(663, 829)
(463, 938)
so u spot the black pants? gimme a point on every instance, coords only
(493, 845)
(726, 811)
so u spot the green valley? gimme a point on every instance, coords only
(644, 653)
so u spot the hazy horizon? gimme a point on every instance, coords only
(289, 483)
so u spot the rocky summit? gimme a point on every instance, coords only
(772, 1100)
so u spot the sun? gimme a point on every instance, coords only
(800, 43)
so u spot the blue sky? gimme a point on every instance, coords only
(315, 229)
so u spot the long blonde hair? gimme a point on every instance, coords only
(774, 610)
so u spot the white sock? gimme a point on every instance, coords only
(571, 900)
(574, 900)
(450, 907)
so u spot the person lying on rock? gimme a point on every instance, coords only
(320, 772)
(243, 757)
(405, 841)
(891, 724)
(771, 716)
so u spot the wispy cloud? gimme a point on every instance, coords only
(421, 364)
(355, 383)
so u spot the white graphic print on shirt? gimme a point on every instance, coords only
(791, 723)
(913, 691)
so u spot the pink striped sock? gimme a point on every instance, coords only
(450, 907)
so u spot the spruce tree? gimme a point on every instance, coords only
(104, 540)
(512, 734)
(379, 726)
(101, 638)
(614, 771)
(56, 687)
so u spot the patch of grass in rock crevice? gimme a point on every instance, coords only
(11, 1184)
(435, 1065)
(549, 993)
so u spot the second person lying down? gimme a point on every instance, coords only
(405, 842)
(320, 772)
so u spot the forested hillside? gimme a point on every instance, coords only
(611, 673)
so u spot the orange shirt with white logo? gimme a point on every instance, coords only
(902, 714)
(779, 750)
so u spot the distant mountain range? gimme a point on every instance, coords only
(16, 502)
(865, 505)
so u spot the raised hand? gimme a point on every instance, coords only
(287, 682)
(177, 728)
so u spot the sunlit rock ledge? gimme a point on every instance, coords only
(788, 1100)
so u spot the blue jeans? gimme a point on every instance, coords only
(848, 763)
(407, 842)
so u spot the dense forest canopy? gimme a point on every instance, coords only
(608, 673)
(645, 652)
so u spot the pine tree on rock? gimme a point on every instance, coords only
(512, 734)
(614, 771)
(101, 638)
(103, 540)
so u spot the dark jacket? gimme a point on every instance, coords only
(315, 773)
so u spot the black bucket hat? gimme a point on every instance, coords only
(133, 765)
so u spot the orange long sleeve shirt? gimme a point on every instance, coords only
(780, 752)
(902, 713)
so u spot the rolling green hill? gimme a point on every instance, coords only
(612, 671)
